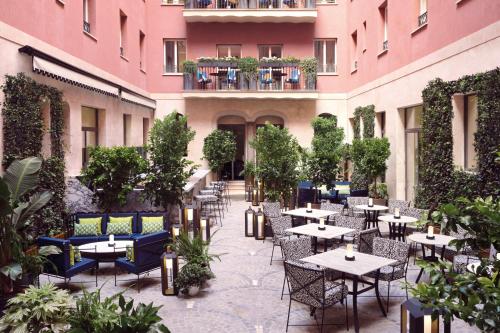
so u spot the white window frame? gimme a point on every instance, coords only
(172, 2)
(385, 21)
(269, 47)
(86, 11)
(176, 61)
(324, 65)
(229, 48)
(422, 7)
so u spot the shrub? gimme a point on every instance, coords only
(219, 148)
(113, 173)
(369, 157)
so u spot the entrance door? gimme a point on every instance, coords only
(232, 170)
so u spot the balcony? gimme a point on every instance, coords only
(257, 11)
(271, 80)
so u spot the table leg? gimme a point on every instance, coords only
(378, 294)
(326, 244)
(355, 302)
(315, 244)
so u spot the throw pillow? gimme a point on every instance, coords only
(78, 255)
(119, 228)
(150, 227)
(343, 189)
(92, 220)
(86, 229)
(128, 219)
(130, 253)
(71, 256)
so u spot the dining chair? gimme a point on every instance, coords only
(294, 249)
(279, 225)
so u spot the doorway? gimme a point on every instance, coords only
(233, 169)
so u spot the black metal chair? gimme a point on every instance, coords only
(279, 225)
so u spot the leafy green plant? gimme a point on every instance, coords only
(378, 191)
(324, 160)
(219, 148)
(278, 153)
(189, 67)
(249, 170)
(43, 309)
(113, 315)
(370, 156)
(193, 250)
(20, 178)
(169, 170)
(472, 297)
(113, 173)
(33, 264)
(310, 67)
(193, 274)
(248, 67)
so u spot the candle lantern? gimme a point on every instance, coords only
(397, 213)
(248, 193)
(417, 319)
(176, 230)
(169, 271)
(261, 191)
(349, 255)
(249, 222)
(255, 196)
(370, 202)
(111, 241)
(190, 219)
(259, 226)
(430, 233)
(321, 224)
(309, 208)
(203, 228)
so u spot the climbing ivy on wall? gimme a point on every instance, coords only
(23, 131)
(365, 114)
(438, 183)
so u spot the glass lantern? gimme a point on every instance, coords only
(417, 319)
(249, 222)
(190, 219)
(169, 271)
(255, 196)
(203, 228)
(259, 226)
(176, 230)
(248, 193)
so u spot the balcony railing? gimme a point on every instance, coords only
(385, 45)
(250, 4)
(422, 19)
(268, 78)
(86, 27)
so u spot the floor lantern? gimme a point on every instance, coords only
(255, 196)
(249, 222)
(417, 319)
(169, 271)
(261, 191)
(203, 228)
(189, 219)
(248, 193)
(176, 230)
(259, 226)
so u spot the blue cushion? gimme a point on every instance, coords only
(305, 184)
(149, 248)
(79, 240)
(133, 267)
(61, 260)
(134, 220)
(79, 267)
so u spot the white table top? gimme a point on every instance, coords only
(103, 247)
(315, 214)
(362, 265)
(402, 219)
(439, 240)
(375, 207)
(311, 229)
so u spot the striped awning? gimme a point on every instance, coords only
(137, 99)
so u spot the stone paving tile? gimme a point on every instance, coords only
(245, 296)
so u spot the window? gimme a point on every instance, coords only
(268, 51)
(89, 24)
(172, 2)
(90, 126)
(175, 54)
(123, 34)
(470, 128)
(422, 12)
(325, 50)
(381, 123)
(127, 125)
(228, 51)
(354, 50)
(384, 15)
(142, 61)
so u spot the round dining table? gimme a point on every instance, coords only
(371, 215)
(397, 226)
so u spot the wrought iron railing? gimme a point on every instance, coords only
(86, 26)
(250, 4)
(385, 45)
(422, 19)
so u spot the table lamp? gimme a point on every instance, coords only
(309, 208)
(321, 224)
(349, 255)
(430, 233)
(397, 213)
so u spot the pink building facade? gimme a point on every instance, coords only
(380, 52)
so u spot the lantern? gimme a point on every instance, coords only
(203, 228)
(261, 191)
(349, 253)
(259, 226)
(249, 222)
(248, 194)
(176, 230)
(417, 319)
(370, 202)
(189, 219)
(255, 196)
(169, 271)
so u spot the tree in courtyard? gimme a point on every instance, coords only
(278, 157)
(327, 149)
(169, 169)
(219, 148)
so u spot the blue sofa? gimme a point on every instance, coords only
(136, 226)
(60, 266)
(147, 252)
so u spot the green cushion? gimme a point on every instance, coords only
(119, 228)
(130, 253)
(120, 219)
(152, 219)
(149, 227)
(343, 189)
(71, 255)
(85, 229)
(92, 220)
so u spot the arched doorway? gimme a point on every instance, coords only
(237, 125)
(275, 120)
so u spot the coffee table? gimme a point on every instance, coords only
(362, 265)
(312, 230)
(102, 252)
(397, 227)
(371, 215)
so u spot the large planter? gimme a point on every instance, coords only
(193, 290)
(188, 81)
(380, 202)
(310, 83)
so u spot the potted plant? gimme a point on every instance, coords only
(290, 61)
(310, 68)
(32, 265)
(379, 193)
(248, 72)
(192, 276)
(219, 148)
(249, 171)
(189, 69)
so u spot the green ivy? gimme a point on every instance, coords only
(367, 115)
(23, 131)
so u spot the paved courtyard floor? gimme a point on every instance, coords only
(245, 296)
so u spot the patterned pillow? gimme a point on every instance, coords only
(78, 255)
(92, 220)
(150, 227)
(113, 219)
(71, 256)
(130, 253)
(119, 228)
(86, 229)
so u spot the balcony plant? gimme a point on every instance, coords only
(219, 148)
(189, 69)
(290, 61)
(248, 70)
(310, 68)
(218, 62)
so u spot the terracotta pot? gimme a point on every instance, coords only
(380, 202)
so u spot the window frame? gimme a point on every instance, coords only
(269, 46)
(177, 69)
(229, 49)
(324, 66)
